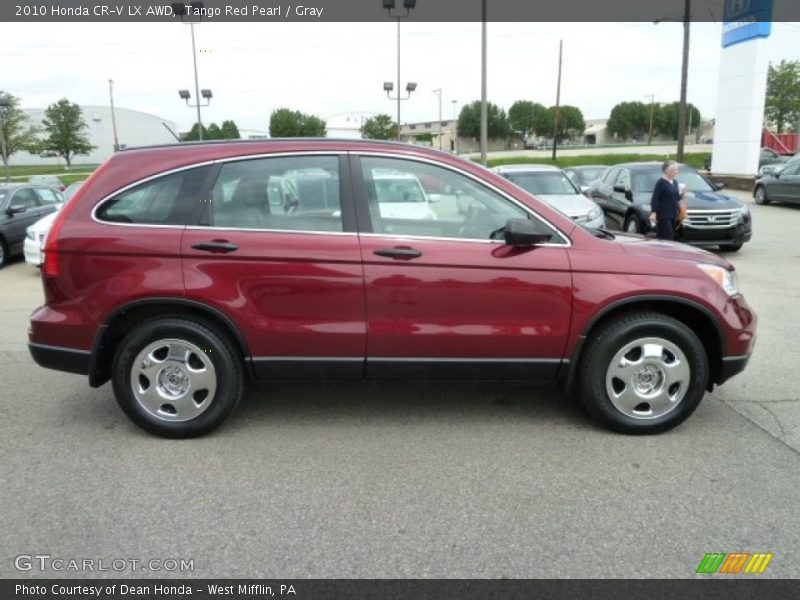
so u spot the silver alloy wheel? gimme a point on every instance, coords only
(648, 378)
(633, 225)
(761, 195)
(173, 380)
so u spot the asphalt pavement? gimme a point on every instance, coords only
(411, 480)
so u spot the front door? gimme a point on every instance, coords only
(445, 297)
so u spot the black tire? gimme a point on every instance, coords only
(633, 225)
(731, 247)
(3, 253)
(760, 195)
(611, 338)
(217, 349)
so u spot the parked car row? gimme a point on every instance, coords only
(22, 205)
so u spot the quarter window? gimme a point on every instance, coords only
(174, 199)
(291, 193)
(407, 197)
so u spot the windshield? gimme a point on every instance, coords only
(645, 181)
(398, 190)
(588, 175)
(544, 183)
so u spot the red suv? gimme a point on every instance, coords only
(181, 272)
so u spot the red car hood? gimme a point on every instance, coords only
(637, 244)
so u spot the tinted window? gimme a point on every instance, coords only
(464, 209)
(544, 183)
(645, 180)
(169, 200)
(26, 197)
(48, 196)
(292, 193)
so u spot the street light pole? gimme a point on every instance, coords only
(557, 116)
(196, 86)
(455, 127)
(398, 79)
(438, 93)
(684, 78)
(652, 108)
(113, 116)
(4, 103)
(484, 108)
(389, 5)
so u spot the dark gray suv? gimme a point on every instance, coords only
(21, 205)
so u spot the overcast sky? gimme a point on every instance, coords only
(331, 68)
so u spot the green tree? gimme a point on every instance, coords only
(783, 95)
(524, 116)
(469, 121)
(194, 133)
(214, 132)
(313, 126)
(379, 127)
(629, 118)
(66, 130)
(285, 122)
(665, 119)
(230, 131)
(570, 122)
(18, 132)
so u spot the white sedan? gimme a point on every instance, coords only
(34, 239)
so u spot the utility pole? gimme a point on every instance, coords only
(687, 13)
(652, 109)
(558, 99)
(455, 127)
(484, 108)
(438, 92)
(113, 116)
(196, 87)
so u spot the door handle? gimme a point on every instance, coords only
(404, 253)
(216, 246)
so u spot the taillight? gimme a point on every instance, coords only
(50, 268)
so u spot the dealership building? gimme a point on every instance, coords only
(134, 128)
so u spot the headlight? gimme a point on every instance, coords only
(595, 213)
(31, 235)
(744, 213)
(727, 280)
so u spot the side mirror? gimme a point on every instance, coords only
(434, 197)
(620, 188)
(585, 190)
(522, 232)
(720, 186)
(15, 209)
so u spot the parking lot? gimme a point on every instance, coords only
(412, 480)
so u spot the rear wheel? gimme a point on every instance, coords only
(176, 377)
(761, 195)
(643, 373)
(632, 224)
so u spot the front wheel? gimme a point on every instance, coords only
(643, 373)
(632, 224)
(761, 195)
(176, 377)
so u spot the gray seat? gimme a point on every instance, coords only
(249, 206)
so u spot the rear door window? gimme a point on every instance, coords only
(174, 199)
(284, 193)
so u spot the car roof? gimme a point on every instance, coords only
(588, 167)
(526, 168)
(648, 165)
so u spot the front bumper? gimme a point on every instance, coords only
(33, 252)
(738, 234)
(732, 365)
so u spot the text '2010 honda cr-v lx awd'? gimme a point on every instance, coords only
(181, 272)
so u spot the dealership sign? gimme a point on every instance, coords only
(744, 20)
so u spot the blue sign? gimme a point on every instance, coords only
(744, 20)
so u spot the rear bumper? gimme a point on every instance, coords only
(60, 358)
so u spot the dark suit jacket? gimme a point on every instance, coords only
(666, 197)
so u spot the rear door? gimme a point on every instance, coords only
(445, 297)
(277, 252)
(788, 184)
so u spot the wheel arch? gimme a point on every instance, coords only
(697, 317)
(124, 318)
